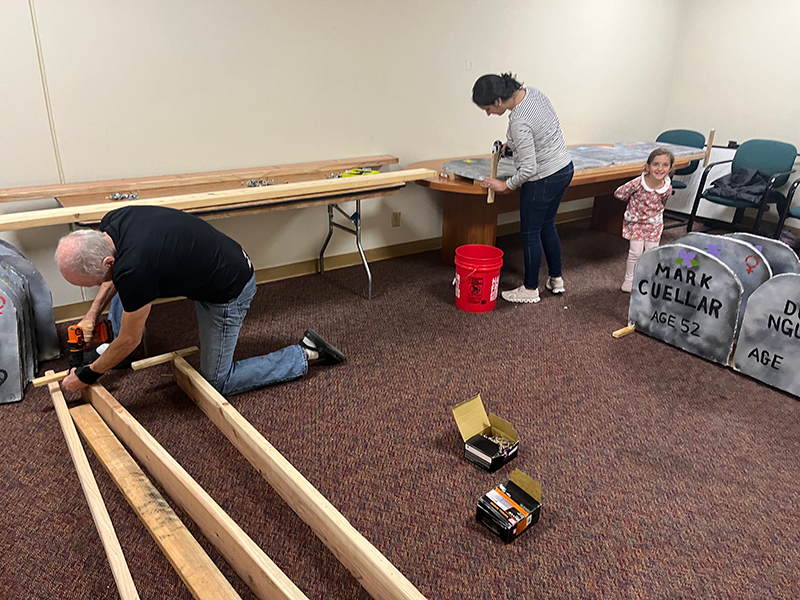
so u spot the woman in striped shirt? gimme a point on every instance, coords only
(543, 173)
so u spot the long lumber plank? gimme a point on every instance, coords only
(158, 182)
(116, 559)
(184, 553)
(255, 568)
(372, 570)
(278, 193)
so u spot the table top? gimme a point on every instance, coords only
(593, 163)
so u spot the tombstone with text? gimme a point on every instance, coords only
(769, 343)
(687, 298)
(744, 259)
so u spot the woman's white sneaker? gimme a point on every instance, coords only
(521, 294)
(555, 285)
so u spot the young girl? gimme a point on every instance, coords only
(647, 197)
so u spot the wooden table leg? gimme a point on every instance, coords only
(607, 214)
(467, 219)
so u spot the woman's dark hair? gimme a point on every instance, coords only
(491, 87)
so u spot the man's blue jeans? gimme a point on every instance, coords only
(219, 326)
(538, 205)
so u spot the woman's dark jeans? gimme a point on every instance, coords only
(538, 205)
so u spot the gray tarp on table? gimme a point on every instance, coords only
(583, 157)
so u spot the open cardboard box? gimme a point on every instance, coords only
(476, 428)
(512, 507)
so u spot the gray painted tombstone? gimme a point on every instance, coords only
(12, 370)
(781, 257)
(47, 344)
(46, 334)
(750, 265)
(16, 286)
(16, 367)
(769, 343)
(687, 298)
(8, 248)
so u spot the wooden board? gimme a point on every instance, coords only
(163, 358)
(165, 185)
(372, 570)
(255, 568)
(116, 559)
(184, 553)
(276, 193)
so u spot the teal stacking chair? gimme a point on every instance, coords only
(681, 137)
(771, 158)
(790, 211)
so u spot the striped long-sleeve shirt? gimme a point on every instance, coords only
(534, 134)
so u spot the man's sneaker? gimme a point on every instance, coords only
(555, 285)
(328, 354)
(521, 294)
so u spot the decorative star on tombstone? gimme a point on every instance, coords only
(686, 259)
(714, 249)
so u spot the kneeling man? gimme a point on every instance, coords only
(142, 253)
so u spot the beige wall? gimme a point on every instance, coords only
(147, 88)
(737, 69)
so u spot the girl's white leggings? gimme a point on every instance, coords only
(634, 253)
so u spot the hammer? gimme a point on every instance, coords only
(496, 148)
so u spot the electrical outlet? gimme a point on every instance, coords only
(395, 219)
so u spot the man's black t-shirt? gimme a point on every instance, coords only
(162, 252)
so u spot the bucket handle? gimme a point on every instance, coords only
(468, 275)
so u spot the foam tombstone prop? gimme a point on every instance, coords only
(769, 343)
(688, 298)
(745, 260)
(780, 255)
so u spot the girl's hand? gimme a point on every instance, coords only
(494, 184)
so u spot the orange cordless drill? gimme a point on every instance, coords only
(77, 344)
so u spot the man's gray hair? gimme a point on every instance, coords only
(87, 250)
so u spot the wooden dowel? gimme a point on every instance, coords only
(624, 331)
(278, 193)
(163, 358)
(254, 567)
(372, 570)
(139, 364)
(710, 142)
(184, 553)
(116, 559)
(50, 377)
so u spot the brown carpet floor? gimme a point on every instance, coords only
(663, 475)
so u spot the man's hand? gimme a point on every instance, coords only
(72, 383)
(87, 326)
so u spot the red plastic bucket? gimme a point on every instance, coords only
(477, 277)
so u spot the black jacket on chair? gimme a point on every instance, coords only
(747, 185)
